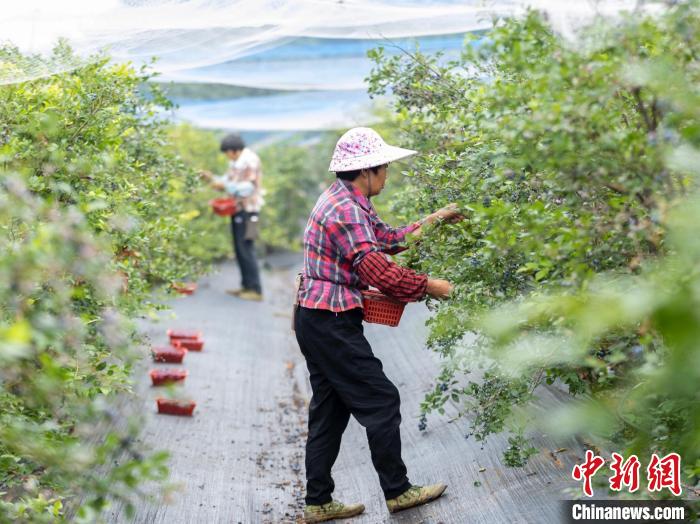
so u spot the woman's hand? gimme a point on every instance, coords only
(213, 182)
(438, 288)
(449, 213)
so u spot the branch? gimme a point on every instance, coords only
(413, 57)
(655, 113)
(537, 381)
(641, 108)
(88, 119)
(617, 188)
(439, 77)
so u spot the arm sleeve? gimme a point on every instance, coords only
(239, 189)
(390, 238)
(404, 284)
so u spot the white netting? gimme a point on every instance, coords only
(316, 48)
(295, 111)
(187, 35)
(312, 63)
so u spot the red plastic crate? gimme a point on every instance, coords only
(193, 344)
(224, 207)
(381, 309)
(178, 334)
(184, 288)
(168, 406)
(161, 377)
(169, 354)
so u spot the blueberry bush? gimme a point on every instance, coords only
(98, 217)
(572, 161)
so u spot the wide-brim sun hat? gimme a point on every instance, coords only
(362, 148)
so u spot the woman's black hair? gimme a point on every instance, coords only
(352, 175)
(232, 142)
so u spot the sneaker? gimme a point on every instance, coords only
(415, 496)
(235, 292)
(249, 294)
(331, 510)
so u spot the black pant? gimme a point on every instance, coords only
(245, 252)
(346, 378)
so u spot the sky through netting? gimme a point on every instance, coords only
(314, 48)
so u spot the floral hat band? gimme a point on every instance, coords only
(362, 148)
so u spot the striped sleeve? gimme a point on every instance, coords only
(391, 238)
(402, 283)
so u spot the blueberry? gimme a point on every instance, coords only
(636, 351)
(669, 135)
(486, 201)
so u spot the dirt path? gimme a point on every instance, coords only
(240, 458)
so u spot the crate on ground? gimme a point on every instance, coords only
(381, 309)
(162, 377)
(184, 288)
(169, 406)
(179, 334)
(192, 344)
(170, 354)
(224, 207)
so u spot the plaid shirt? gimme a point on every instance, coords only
(342, 230)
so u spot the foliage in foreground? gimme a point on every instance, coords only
(100, 208)
(59, 363)
(95, 212)
(559, 152)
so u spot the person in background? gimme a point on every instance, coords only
(243, 182)
(345, 251)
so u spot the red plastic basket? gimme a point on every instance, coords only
(168, 406)
(381, 309)
(170, 354)
(161, 377)
(184, 288)
(193, 344)
(224, 207)
(178, 334)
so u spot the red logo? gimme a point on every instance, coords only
(665, 473)
(626, 474)
(661, 473)
(586, 471)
